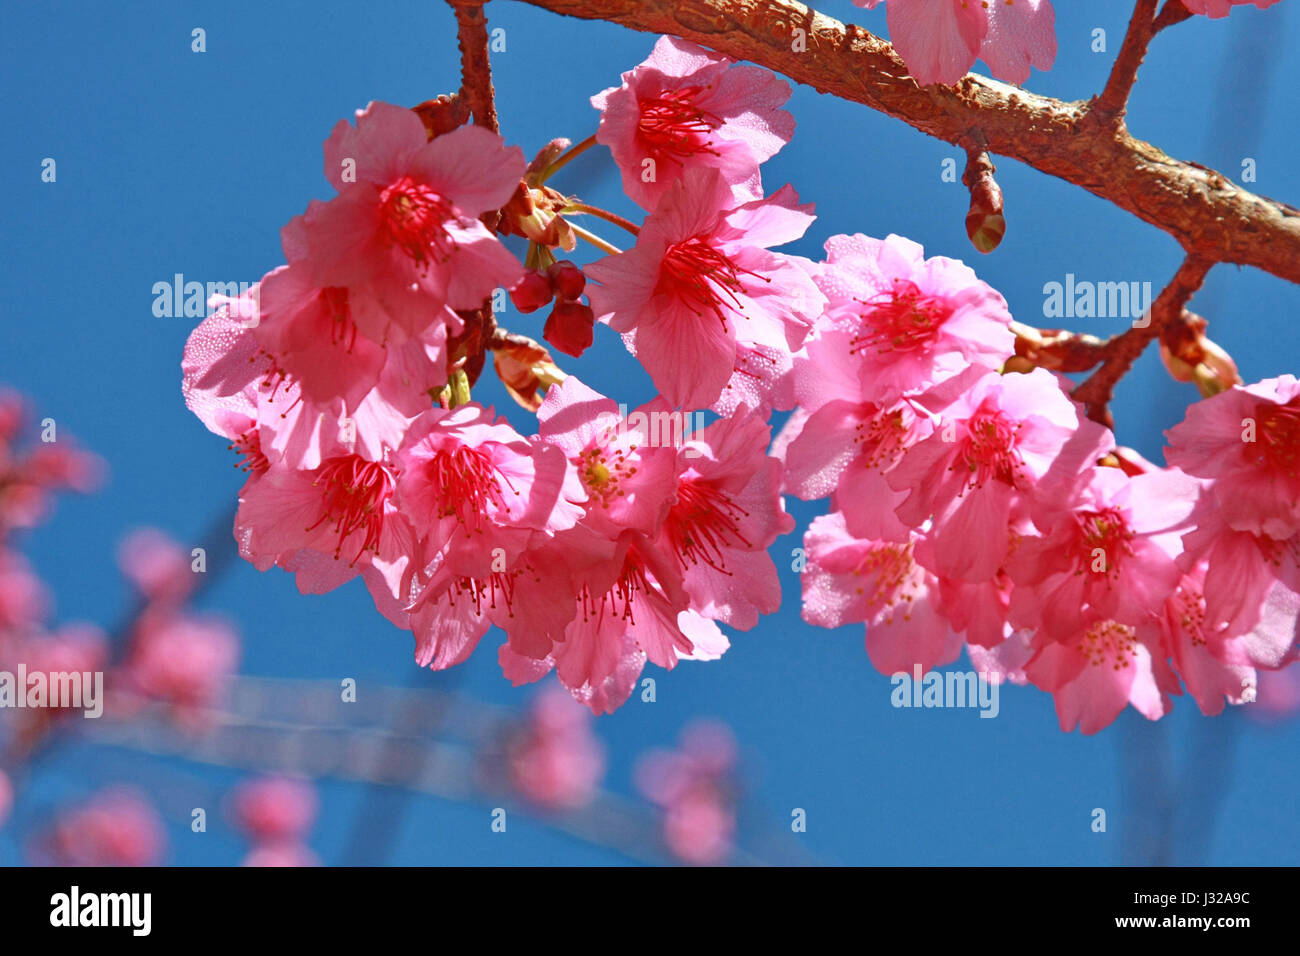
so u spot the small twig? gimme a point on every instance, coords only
(1123, 350)
(475, 67)
(595, 240)
(1109, 107)
(1057, 350)
(582, 207)
(563, 160)
(1172, 12)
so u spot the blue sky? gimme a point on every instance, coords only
(171, 161)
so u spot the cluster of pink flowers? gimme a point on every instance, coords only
(969, 507)
(597, 544)
(974, 506)
(31, 473)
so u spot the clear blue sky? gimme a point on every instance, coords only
(172, 161)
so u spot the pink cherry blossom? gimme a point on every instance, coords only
(686, 108)
(1109, 547)
(845, 449)
(1247, 440)
(728, 512)
(31, 472)
(1215, 664)
(903, 321)
(24, 600)
(996, 442)
(403, 235)
(1105, 666)
(217, 384)
(632, 609)
(74, 647)
(850, 580)
(475, 492)
(980, 612)
(310, 335)
(1247, 575)
(627, 466)
(241, 391)
(939, 40)
(660, 594)
(328, 525)
(700, 283)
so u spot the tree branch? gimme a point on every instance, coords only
(475, 68)
(1209, 216)
(1109, 107)
(1123, 350)
(1173, 12)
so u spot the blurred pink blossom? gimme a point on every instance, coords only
(281, 854)
(695, 786)
(276, 811)
(157, 566)
(116, 827)
(556, 761)
(181, 658)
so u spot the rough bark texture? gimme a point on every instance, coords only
(1211, 217)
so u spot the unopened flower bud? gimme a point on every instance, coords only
(986, 223)
(531, 292)
(1192, 356)
(570, 327)
(567, 279)
(526, 370)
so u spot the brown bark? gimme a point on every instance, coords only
(1210, 217)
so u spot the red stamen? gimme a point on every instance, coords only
(672, 126)
(467, 483)
(1106, 531)
(901, 320)
(334, 299)
(704, 278)
(355, 492)
(990, 449)
(249, 448)
(703, 523)
(414, 218)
